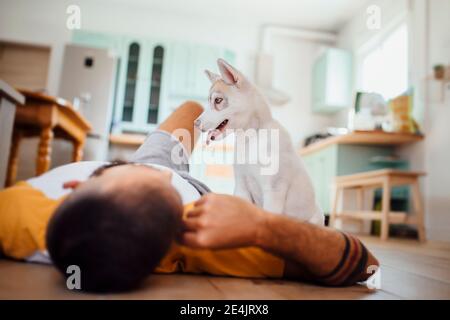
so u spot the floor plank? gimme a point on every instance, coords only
(409, 270)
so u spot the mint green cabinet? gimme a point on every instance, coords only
(154, 76)
(180, 75)
(332, 81)
(132, 79)
(187, 69)
(139, 99)
(321, 167)
(343, 159)
(97, 40)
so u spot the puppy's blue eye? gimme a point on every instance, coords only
(218, 100)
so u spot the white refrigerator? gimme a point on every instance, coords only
(88, 80)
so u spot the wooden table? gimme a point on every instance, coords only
(46, 117)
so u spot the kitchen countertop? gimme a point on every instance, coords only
(363, 138)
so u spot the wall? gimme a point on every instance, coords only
(437, 151)
(354, 34)
(429, 40)
(293, 61)
(44, 22)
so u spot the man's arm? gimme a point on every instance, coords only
(310, 252)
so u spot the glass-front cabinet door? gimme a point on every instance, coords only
(138, 107)
(154, 76)
(155, 84)
(131, 82)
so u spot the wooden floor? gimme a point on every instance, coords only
(409, 270)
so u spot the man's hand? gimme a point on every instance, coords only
(222, 221)
(311, 252)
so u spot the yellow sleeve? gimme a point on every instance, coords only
(250, 262)
(24, 214)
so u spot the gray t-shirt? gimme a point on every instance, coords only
(161, 148)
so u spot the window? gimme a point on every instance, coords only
(384, 68)
(155, 84)
(131, 80)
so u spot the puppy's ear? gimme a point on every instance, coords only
(229, 74)
(213, 77)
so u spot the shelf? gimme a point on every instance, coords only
(363, 138)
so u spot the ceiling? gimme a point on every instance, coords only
(326, 15)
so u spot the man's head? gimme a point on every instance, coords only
(116, 226)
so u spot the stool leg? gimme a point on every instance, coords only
(360, 205)
(418, 208)
(386, 208)
(334, 205)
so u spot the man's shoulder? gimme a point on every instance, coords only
(50, 183)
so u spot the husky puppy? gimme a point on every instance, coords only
(236, 106)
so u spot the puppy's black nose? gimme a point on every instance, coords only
(197, 123)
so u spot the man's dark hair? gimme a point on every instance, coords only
(115, 163)
(115, 243)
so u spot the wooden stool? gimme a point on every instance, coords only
(384, 179)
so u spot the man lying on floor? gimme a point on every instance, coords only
(123, 221)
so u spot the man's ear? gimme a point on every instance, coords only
(229, 74)
(72, 184)
(213, 77)
(167, 174)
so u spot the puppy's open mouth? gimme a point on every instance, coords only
(213, 134)
(222, 125)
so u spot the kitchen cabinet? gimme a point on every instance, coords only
(187, 65)
(338, 160)
(353, 153)
(331, 81)
(154, 76)
(97, 40)
(141, 76)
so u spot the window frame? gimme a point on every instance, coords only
(375, 42)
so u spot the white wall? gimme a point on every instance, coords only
(429, 40)
(293, 61)
(44, 22)
(437, 145)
